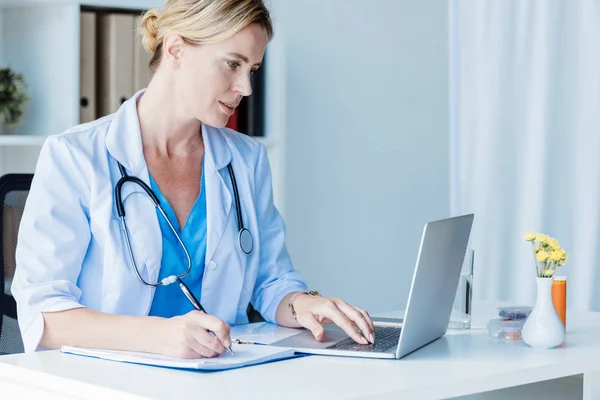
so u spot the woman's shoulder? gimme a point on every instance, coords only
(85, 136)
(245, 145)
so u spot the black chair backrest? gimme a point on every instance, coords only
(14, 189)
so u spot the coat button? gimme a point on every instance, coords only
(212, 264)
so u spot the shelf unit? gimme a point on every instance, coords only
(41, 41)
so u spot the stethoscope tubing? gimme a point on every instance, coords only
(244, 235)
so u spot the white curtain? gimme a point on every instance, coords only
(525, 140)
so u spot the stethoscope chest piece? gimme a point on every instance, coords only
(246, 241)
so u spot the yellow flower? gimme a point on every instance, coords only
(555, 255)
(546, 250)
(563, 258)
(542, 256)
(543, 238)
(554, 244)
(530, 236)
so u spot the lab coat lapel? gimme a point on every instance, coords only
(218, 198)
(124, 143)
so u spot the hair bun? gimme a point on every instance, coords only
(149, 29)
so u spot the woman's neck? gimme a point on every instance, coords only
(163, 130)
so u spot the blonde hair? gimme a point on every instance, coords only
(200, 22)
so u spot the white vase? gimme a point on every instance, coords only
(543, 328)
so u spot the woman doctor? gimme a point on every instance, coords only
(85, 277)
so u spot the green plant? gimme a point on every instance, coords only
(13, 87)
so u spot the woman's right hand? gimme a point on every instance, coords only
(187, 336)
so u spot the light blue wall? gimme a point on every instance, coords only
(366, 140)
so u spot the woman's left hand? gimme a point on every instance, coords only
(313, 311)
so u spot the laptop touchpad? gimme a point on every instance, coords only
(306, 339)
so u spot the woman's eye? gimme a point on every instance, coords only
(233, 64)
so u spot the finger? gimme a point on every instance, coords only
(213, 324)
(209, 341)
(331, 311)
(188, 354)
(193, 343)
(309, 322)
(368, 318)
(358, 318)
(201, 350)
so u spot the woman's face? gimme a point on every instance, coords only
(211, 79)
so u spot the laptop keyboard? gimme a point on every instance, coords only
(386, 337)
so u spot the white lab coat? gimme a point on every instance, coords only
(71, 250)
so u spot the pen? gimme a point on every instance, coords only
(190, 296)
(239, 341)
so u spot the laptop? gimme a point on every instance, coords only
(435, 279)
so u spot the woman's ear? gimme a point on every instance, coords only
(172, 49)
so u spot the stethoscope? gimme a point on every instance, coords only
(245, 240)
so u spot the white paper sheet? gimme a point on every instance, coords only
(244, 355)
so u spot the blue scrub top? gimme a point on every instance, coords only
(169, 301)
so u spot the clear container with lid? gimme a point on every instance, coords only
(518, 312)
(504, 328)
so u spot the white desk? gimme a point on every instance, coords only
(460, 363)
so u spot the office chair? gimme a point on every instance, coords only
(14, 189)
(253, 315)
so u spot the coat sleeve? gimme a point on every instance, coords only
(53, 238)
(276, 275)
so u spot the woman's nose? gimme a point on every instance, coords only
(244, 86)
